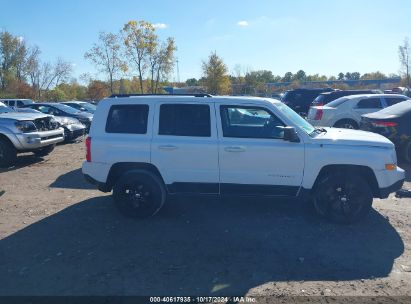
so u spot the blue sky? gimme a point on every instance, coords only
(324, 37)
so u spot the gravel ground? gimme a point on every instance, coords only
(60, 236)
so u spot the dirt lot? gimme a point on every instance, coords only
(60, 236)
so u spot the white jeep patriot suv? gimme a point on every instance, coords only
(147, 147)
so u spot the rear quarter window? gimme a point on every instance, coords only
(369, 103)
(129, 119)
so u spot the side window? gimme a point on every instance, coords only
(11, 103)
(43, 109)
(20, 103)
(185, 120)
(393, 100)
(129, 119)
(369, 103)
(250, 122)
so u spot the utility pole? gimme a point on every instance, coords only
(178, 71)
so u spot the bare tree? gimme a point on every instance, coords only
(161, 62)
(106, 54)
(62, 71)
(32, 66)
(404, 52)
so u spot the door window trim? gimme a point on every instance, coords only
(223, 106)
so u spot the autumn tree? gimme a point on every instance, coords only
(106, 55)
(10, 51)
(97, 90)
(139, 40)
(404, 52)
(215, 74)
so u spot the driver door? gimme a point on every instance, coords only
(254, 157)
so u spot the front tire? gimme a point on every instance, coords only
(342, 197)
(139, 194)
(8, 154)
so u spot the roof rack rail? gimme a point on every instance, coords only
(132, 95)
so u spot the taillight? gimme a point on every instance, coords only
(318, 114)
(384, 124)
(88, 149)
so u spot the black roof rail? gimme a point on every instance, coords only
(132, 95)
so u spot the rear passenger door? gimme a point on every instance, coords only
(185, 148)
(367, 105)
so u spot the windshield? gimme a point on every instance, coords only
(65, 108)
(397, 109)
(88, 106)
(295, 118)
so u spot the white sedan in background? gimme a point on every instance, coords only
(345, 112)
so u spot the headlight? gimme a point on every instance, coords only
(26, 126)
(68, 121)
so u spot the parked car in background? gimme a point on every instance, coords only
(345, 112)
(300, 99)
(278, 96)
(62, 110)
(26, 132)
(327, 97)
(81, 106)
(393, 122)
(16, 103)
(144, 148)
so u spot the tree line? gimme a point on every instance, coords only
(136, 60)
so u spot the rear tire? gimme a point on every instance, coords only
(342, 197)
(44, 151)
(346, 124)
(139, 194)
(8, 154)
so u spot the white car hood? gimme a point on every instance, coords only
(22, 115)
(337, 136)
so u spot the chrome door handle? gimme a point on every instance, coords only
(167, 147)
(234, 149)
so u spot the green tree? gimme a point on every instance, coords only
(106, 55)
(192, 82)
(215, 74)
(300, 76)
(288, 77)
(374, 75)
(340, 76)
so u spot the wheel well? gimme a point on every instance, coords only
(347, 119)
(364, 171)
(6, 139)
(118, 169)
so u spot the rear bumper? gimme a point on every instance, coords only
(96, 174)
(100, 186)
(385, 192)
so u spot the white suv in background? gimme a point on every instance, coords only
(144, 148)
(345, 112)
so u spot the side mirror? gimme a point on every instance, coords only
(290, 134)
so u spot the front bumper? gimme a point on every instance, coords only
(36, 140)
(74, 131)
(385, 192)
